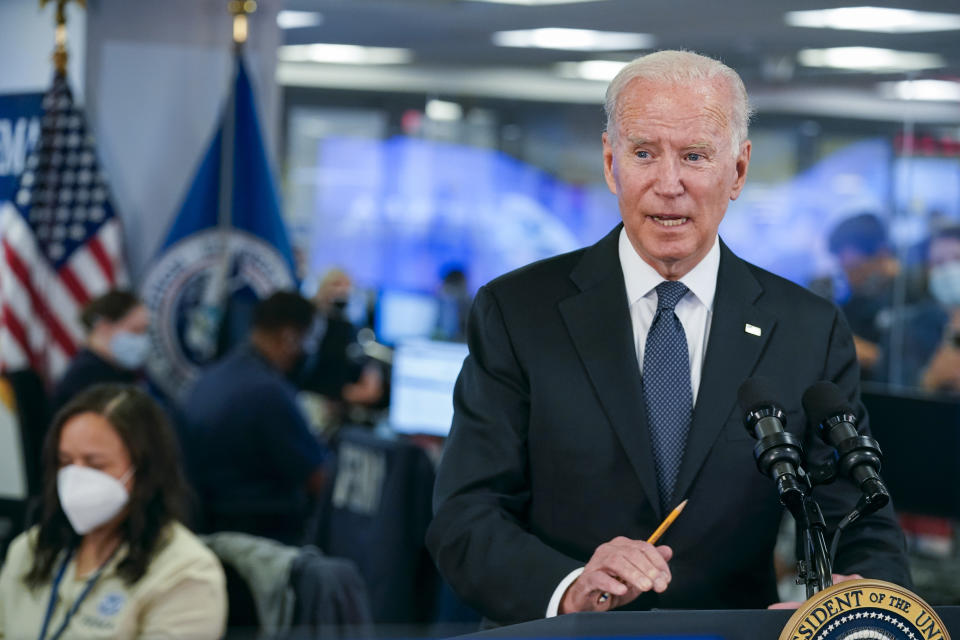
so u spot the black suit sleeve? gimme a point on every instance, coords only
(874, 546)
(479, 537)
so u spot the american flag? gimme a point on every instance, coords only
(60, 243)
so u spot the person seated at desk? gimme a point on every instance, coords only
(337, 369)
(942, 371)
(876, 317)
(253, 458)
(863, 252)
(110, 558)
(116, 348)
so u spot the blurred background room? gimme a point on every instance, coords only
(385, 159)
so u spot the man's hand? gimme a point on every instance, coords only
(624, 569)
(837, 578)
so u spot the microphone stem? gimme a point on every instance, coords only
(818, 559)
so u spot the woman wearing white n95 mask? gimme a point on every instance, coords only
(109, 558)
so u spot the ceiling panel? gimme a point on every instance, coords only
(454, 36)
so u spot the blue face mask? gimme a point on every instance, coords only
(945, 283)
(130, 349)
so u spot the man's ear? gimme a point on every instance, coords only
(608, 168)
(741, 166)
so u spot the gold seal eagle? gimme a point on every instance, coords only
(865, 610)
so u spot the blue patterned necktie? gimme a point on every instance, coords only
(666, 387)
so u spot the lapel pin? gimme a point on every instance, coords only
(752, 330)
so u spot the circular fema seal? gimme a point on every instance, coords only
(865, 610)
(188, 289)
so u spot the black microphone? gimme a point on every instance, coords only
(778, 452)
(858, 456)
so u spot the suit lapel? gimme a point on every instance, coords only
(598, 320)
(733, 350)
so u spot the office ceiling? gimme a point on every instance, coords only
(451, 39)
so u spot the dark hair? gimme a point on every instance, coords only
(949, 232)
(111, 306)
(454, 275)
(864, 232)
(281, 310)
(159, 488)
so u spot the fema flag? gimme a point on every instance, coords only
(227, 248)
(19, 134)
(60, 240)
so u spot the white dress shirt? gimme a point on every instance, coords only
(695, 311)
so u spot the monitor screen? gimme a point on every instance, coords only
(421, 396)
(921, 444)
(402, 315)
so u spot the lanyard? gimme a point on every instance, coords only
(55, 589)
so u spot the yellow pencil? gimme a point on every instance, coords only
(666, 523)
(655, 536)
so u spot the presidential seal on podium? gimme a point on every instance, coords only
(865, 610)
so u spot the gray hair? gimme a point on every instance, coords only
(682, 67)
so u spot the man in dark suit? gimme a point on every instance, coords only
(601, 388)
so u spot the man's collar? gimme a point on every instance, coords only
(640, 278)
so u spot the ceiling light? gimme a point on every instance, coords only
(573, 39)
(298, 19)
(534, 3)
(878, 19)
(869, 59)
(343, 54)
(934, 90)
(602, 70)
(443, 110)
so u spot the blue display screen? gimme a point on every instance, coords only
(396, 212)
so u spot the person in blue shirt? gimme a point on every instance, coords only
(115, 350)
(254, 461)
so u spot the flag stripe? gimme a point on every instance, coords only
(100, 255)
(88, 270)
(18, 335)
(23, 275)
(73, 285)
(17, 302)
(61, 242)
(110, 239)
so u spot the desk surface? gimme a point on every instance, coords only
(725, 625)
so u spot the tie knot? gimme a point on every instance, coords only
(669, 293)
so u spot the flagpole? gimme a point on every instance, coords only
(239, 9)
(232, 196)
(60, 55)
(207, 318)
(62, 240)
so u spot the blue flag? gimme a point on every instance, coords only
(227, 248)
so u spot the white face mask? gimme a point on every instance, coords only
(130, 349)
(89, 497)
(945, 283)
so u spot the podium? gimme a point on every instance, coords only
(675, 625)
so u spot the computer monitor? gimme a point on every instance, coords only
(421, 394)
(404, 315)
(920, 440)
